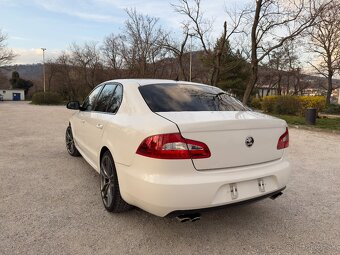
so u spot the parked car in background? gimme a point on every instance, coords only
(173, 147)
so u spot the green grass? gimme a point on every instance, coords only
(324, 123)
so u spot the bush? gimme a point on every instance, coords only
(318, 102)
(256, 103)
(49, 98)
(290, 105)
(268, 103)
(332, 109)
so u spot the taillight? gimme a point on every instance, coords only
(172, 146)
(283, 140)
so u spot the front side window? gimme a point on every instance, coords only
(188, 97)
(109, 99)
(105, 98)
(90, 101)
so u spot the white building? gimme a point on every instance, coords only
(12, 94)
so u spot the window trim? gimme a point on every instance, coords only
(110, 83)
(95, 102)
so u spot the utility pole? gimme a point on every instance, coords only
(43, 49)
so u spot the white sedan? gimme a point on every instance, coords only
(174, 148)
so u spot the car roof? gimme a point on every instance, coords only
(143, 82)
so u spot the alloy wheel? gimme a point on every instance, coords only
(69, 141)
(106, 181)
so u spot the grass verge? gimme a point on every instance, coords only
(323, 123)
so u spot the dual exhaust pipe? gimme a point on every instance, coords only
(197, 216)
(276, 195)
(189, 217)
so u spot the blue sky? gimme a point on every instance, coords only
(55, 24)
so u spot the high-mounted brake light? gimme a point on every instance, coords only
(172, 146)
(283, 140)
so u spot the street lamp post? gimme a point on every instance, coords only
(191, 35)
(43, 49)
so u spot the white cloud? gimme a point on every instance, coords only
(19, 38)
(30, 56)
(112, 11)
(82, 9)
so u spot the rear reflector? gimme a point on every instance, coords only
(283, 140)
(172, 146)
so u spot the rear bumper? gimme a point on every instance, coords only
(249, 201)
(176, 187)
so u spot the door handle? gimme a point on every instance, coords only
(100, 126)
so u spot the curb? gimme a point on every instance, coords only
(337, 132)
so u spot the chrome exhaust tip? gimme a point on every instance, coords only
(276, 195)
(189, 217)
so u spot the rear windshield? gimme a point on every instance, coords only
(185, 97)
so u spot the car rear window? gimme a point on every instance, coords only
(188, 97)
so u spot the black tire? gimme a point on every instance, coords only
(71, 148)
(109, 186)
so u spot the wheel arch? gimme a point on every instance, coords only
(102, 151)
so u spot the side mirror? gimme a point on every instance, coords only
(73, 105)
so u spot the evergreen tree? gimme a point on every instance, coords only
(18, 83)
(234, 69)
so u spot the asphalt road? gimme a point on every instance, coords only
(50, 201)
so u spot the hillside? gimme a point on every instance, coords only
(31, 72)
(34, 72)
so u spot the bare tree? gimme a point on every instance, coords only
(282, 65)
(178, 48)
(6, 55)
(87, 58)
(325, 44)
(65, 77)
(201, 28)
(51, 70)
(112, 52)
(143, 42)
(275, 23)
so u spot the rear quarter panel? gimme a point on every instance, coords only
(134, 121)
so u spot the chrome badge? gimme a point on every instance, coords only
(249, 141)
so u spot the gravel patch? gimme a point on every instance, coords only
(50, 202)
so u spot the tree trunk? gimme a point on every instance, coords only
(254, 60)
(330, 88)
(279, 89)
(218, 57)
(251, 84)
(181, 66)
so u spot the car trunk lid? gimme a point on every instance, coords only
(235, 138)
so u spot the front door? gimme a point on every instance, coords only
(16, 96)
(81, 132)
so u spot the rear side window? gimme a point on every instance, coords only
(188, 97)
(116, 99)
(105, 97)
